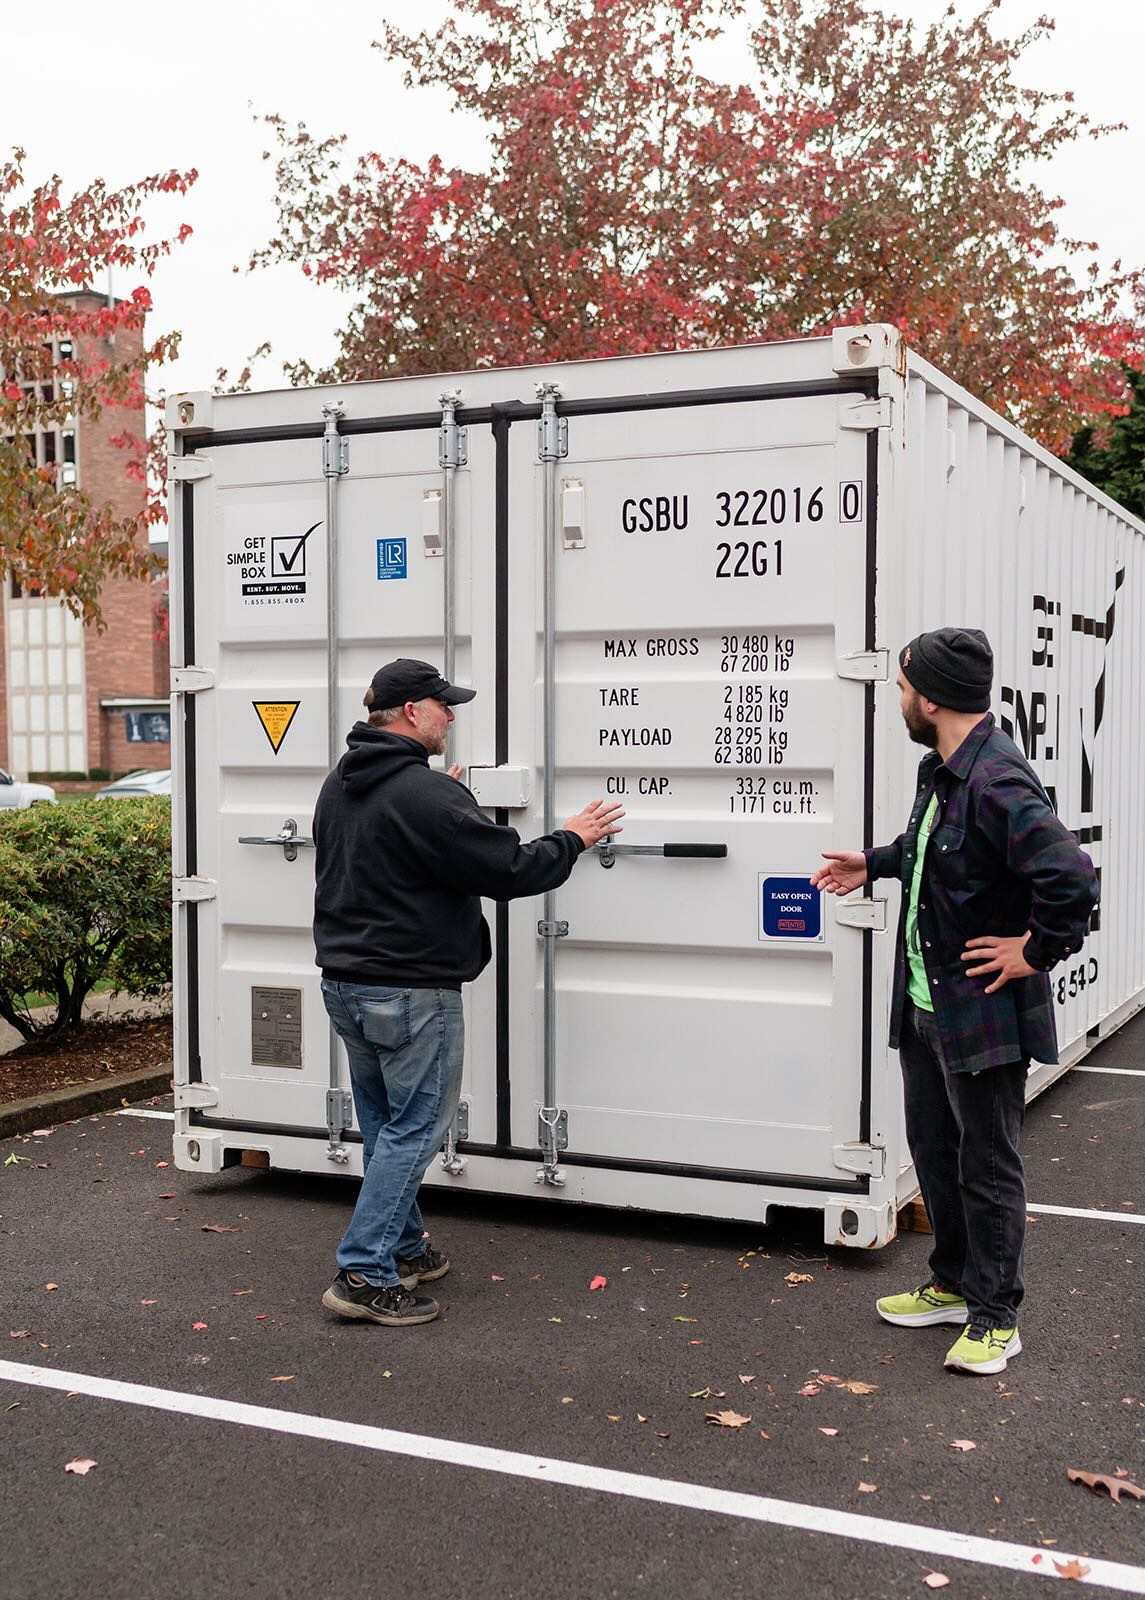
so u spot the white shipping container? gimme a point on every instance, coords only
(682, 581)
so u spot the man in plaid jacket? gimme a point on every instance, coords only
(995, 893)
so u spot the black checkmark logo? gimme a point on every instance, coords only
(283, 564)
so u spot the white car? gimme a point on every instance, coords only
(14, 794)
(133, 783)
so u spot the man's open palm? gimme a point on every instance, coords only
(846, 870)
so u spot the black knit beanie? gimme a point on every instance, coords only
(954, 667)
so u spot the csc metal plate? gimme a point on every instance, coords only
(276, 1027)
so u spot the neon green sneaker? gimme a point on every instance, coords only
(922, 1306)
(983, 1350)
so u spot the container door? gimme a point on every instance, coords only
(261, 733)
(711, 582)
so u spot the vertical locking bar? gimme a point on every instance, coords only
(452, 452)
(552, 446)
(335, 465)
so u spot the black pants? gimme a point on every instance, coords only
(963, 1130)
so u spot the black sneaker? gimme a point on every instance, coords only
(351, 1296)
(413, 1270)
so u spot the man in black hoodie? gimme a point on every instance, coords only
(404, 853)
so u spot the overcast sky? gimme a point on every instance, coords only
(120, 91)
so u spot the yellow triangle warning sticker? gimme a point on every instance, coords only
(276, 717)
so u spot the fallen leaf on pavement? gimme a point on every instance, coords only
(166, 1197)
(598, 1282)
(48, 1287)
(495, 1277)
(640, 1418)
(683, 1319)
(198, 1326)
(286, 1377)
(830, 1432)
(727, 1419)
(554, 1319)
(707, 1393)
(80, 1467)
(663, 1436)
(218, 1227)
(1114, 1487)
(868, 1488)
(936, 1580)
(856, 1386)
(798, 1277)
(566, 1400)
(149, 1302)
(259, 1316)
(239, 1292)
(811, 1388)
(159, 1164)
(829, 1377)
(963, 1444)
(747, 1377)
(1071, 1569)
(20, 1333)
(613, 1418)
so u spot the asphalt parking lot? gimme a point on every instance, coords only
(541, 1436)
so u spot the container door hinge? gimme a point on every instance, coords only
(860, 1158)
(864, 666)
(553, 930)
(870, 915)
(193, 891)
(191, 680)
(195, 1096)
(863, 415)
(188, 469)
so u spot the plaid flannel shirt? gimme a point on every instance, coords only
(998, 861)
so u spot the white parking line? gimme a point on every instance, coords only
(143, 1111)
(1079, 1211)
(933, 1542)
(1116, 1072)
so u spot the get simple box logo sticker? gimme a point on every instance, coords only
(272, 565)
(789, 908)
(392, 558)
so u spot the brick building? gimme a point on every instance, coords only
(76, 700)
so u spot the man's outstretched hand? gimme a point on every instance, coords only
(598, 819)
(845, 871)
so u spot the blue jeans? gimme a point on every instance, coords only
(963, 1130)
(405, 1048)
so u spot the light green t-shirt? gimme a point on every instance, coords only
(917, 984)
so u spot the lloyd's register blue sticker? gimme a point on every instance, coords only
(789, 908)
(391, 558)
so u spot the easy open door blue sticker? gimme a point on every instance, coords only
(789, 908)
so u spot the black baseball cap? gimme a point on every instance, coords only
(399, 681)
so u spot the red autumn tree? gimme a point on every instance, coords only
(59, 364)
(862, 171)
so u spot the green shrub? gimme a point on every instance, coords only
(85, 898)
